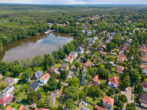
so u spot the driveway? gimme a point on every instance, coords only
(128, 94)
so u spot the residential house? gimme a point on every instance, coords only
(80, 50)
(82, 80)
(1, 76)
(9, 81)
(144, 69)
(8, 90)
(88, 64)
(84, 71)
(34, 86)
(143, 50)
(119, 69)
(37, 75)
(73, 54)
(83, 31)
(103, 53)
(79, 103)
(44, 79)
(102, 47)
(53, 70)
(21, 107)
(96, 80)
(96, 107)
(53, 97)
(42, 109)
(112, 63)
(121, 58)
(89, 33)
(108, 102)
(144, 85)
(9, 108)
(144, 100)
(113, 81)
(85, 108)
(30, 107)
(144, 60)
(68, 59)
(64, 66)
(6, 99)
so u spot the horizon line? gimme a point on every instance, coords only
(65, 4)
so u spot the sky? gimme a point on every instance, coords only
(73, 2)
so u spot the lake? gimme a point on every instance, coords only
(33, 46)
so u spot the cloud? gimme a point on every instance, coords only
(76, 1)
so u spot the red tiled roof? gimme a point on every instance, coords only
(43, 109)
(108, 100)
(96, 107)
(9, 108)
(144, 84)
(88, 64)
(45, 76)
(6, 98)
(119, 69)
(96, 78)
(144, 67)
(121, 58)
(143, 50)
(1, 75)
(103, 53)
(52, 69)
(144, 58)
(144, 98)
(114, 79)
(69, 57)
(21, 107)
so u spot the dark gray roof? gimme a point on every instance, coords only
(38, 74)
(82, 80)
(34, 85)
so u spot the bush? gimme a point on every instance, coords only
(123, 98)
(131, 106)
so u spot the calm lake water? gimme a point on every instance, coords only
(33, 46)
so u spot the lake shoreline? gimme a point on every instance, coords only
(54, 40)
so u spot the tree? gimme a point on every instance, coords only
(3, 68)
(52, 84)
(1, 47)
(32, 97)
(77, 64)
(98, 59)
(74, 82)
(103, 73)
(3, 85)
(124, 83)
(96, 44)
(48, 60)
(72, 92)
(16, 70)
(138, 89)
(134, 77)
(94, 91)
(38, 60)
(131, 106)
(26, 74)
(82, 95)
(70, 104)
(110, 46)
(110, 92)
(64, 74)
(123, 98)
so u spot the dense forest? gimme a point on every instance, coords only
(20, 21)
